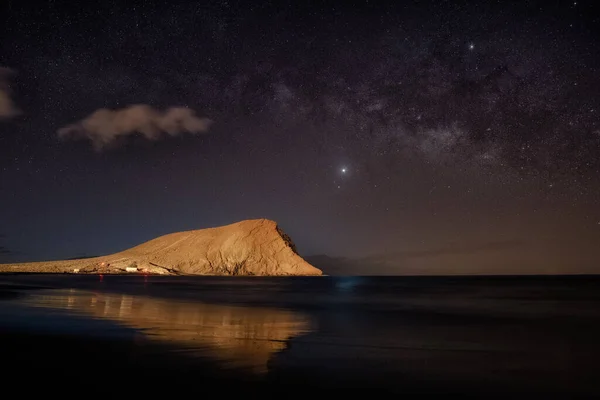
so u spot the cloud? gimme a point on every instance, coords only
(452, 250)
(433, 261)
(7, 106)
(104, 126)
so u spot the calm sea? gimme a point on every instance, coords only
(500, 335)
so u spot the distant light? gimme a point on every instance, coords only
(344, 170)
(471, 46)
(347, 284)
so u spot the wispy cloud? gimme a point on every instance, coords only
(104, 126)
(447, 251)
(401, 262)
(7, 106)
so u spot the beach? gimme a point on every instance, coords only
(492, 336)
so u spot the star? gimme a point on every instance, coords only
(344, 170)
(471, 46)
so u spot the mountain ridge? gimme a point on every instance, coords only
(249, 247)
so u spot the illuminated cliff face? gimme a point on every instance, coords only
(237, 336)
(250, 247)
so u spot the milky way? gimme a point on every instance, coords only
(364, 118)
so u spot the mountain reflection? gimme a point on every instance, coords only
(238, 336)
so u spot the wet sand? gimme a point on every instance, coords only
(278, 336)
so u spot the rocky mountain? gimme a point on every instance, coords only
(251, 247)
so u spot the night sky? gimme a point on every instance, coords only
(423, 138)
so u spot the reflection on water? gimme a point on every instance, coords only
(237, 336)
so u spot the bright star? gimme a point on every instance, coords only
(471, 46)
(343, 170)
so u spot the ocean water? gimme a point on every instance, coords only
(492, 335)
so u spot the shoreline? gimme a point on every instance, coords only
(498, 277)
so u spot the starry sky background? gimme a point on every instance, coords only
(422, 138)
